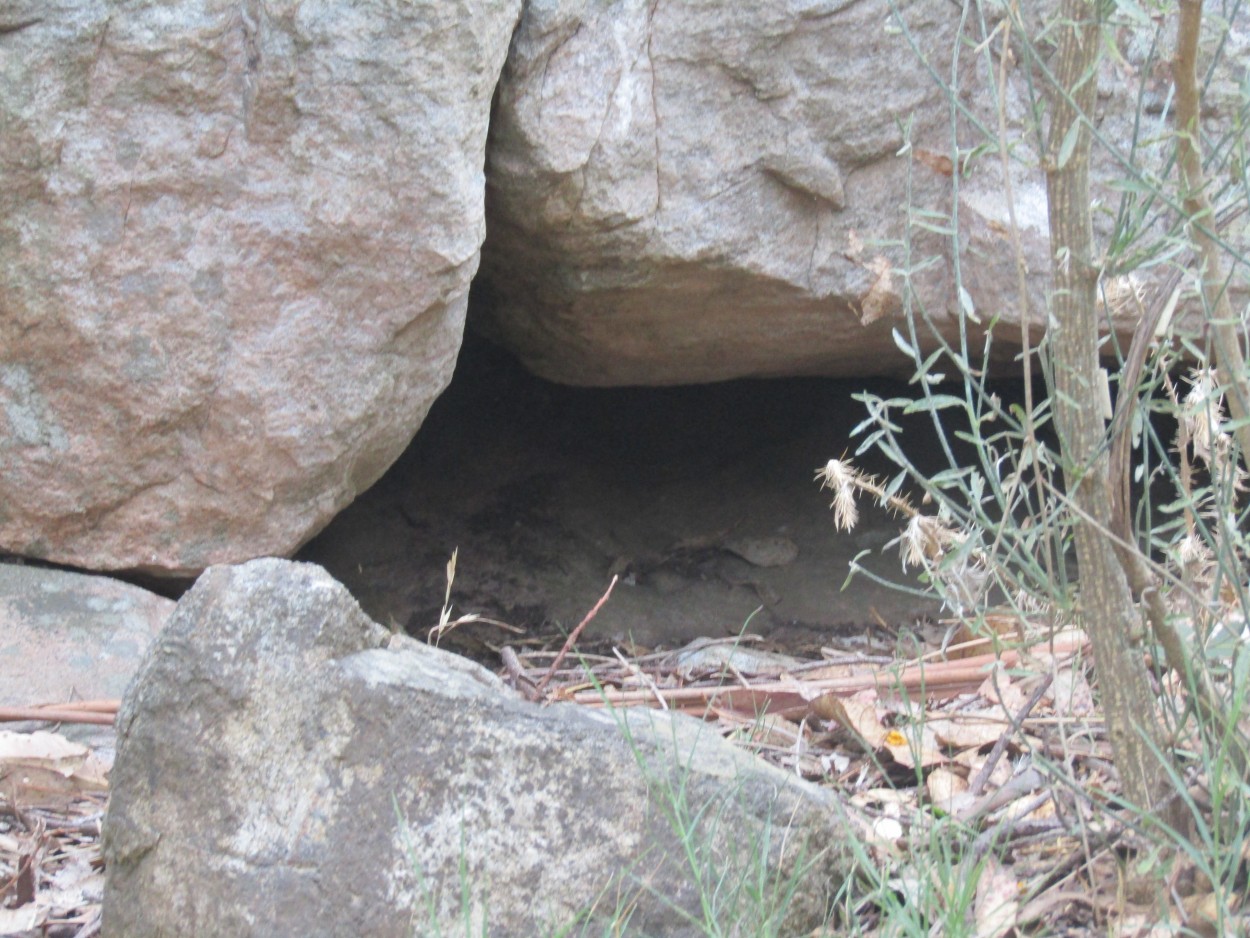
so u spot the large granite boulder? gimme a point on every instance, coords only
(709, 190)
(286, 767)
(236, 241)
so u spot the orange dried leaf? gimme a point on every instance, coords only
(935, 161)
(882, 297)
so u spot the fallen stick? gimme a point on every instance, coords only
(791, 697)
(94, 706)
(573, 636)
(55, 715)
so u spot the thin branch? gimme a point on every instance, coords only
(573, 636)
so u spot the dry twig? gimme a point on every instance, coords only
(573, 636)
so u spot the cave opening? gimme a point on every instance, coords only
(699, 499)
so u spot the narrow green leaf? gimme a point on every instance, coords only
(932, 403)
(896, 483)
(902, 343)
(947, 476)
(1069, 144)
(936, 229)
(927, 365)
(966, 305)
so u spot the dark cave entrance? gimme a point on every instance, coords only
(700, 498)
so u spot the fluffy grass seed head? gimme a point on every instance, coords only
(924, 541)
(1192, 552)
(1202, 413)
(841, 477)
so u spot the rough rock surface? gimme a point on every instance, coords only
(702, 191)
(690, 192)
(285, 767)
(236, 241)
(67, 636)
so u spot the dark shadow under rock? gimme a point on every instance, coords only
(547, 491)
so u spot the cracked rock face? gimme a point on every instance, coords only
(690, 192)
(687, 192)
(236, 241)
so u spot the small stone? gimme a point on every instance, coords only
(771, 551)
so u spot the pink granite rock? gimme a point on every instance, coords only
(690, 192)
(236, 241)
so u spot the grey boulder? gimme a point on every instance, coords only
(286, 766)
(68, 636)
(700, 191)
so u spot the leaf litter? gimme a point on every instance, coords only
(52, 801)
(992, 739)
(994, 736)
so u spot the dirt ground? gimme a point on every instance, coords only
(701, 499)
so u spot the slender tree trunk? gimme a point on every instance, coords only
(1107, 608)
(1203, 227)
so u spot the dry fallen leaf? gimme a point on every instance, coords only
(888, 800)
(1070, 692)
(50, 750)
(974, 761)
(861, 715)
(835, 672)
(937, 162)
(34, 786)
(855, 714)
(947, 790)
(992, 630)
(968, 730)
(908, 751)
(882, 297)
(1203, 914)
(46, 769)
(1001, 690)
(21, 920)
(998, 900)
